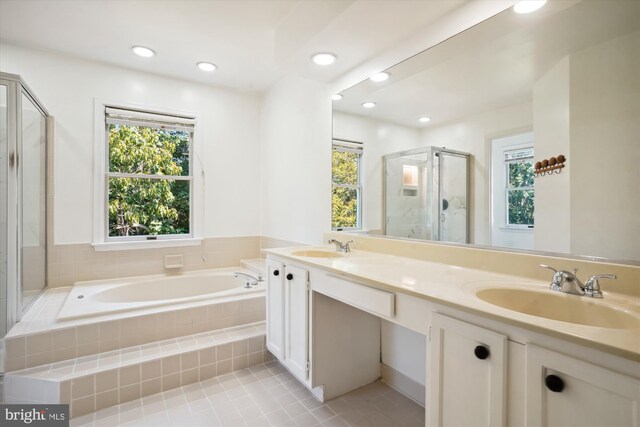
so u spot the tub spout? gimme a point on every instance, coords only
(249, 280)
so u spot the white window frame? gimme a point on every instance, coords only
(358, 148)
(507, 190)
(101, 239)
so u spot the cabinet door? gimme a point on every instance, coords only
(466, 374)
(296, 324)
(275, 308)
(563, 391)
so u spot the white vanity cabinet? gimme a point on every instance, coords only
(288, 316)
(466, 374)
(522, 383)
(564, 391)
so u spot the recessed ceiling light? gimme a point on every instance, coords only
(324, 58)
(368, 104)
(424, 119)
(206, 66)
(528, 6)
(145, 52)
(336, 97)
(379, 77)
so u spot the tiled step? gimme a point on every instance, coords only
(32, 349)
(109, 378)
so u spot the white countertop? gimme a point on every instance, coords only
(455, 286)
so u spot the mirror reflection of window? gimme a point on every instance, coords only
(346, 197)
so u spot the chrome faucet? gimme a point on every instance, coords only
(341, 247)
(565, 281)
(249, 280)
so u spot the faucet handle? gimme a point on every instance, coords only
(592, 287)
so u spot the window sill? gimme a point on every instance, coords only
(517, 229)
(145, 244)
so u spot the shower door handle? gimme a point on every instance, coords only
(12, 159)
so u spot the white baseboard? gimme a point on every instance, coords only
(402, 383)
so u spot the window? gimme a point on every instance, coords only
(148, 175)
(519, 187)
(346, 199)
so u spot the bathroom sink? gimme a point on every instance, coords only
(559, 306)
(317, 254)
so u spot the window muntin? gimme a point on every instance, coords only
(519, 188)
(149, 184)
(346, 197)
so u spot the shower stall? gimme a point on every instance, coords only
(426, 194)
(23, 200)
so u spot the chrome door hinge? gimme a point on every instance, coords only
(308, 366)
(308, 285)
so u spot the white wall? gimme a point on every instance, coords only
(605, 125)
(230, 128)
(379, 138)
(552, 214)
(296, 161)
(473, 135)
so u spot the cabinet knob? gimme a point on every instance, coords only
(276, 272)
(554, 383)
(481, 352)
(289, 276)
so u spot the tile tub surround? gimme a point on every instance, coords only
(40, 339)
(68, 264)
(109, 378)
(504, 262)
(260, 396)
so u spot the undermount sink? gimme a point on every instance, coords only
(317, 254)
(559, 306)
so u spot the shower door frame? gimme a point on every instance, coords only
(16, 87)
(430, 150)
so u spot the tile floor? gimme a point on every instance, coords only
(261, 396)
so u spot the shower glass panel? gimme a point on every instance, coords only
(426, 194)
(4, 143)
(33, 243)
(453, 197)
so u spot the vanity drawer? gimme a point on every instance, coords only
(375, 301)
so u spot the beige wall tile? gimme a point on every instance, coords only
(83, 386)
(15, 347)
(224, 351)
(129, 375)
(63, 338)
(224, 366)
(171, 381)
(82, 406)
(38, 343)
(129, 393)
(106, 399)
(207, 371)
(189, 377)
(170, 365)
(207, 356)
(150, 387)
(107, 380)
(151, 370)
(189, 360)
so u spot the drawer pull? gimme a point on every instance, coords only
(481, 352)
(554, 383)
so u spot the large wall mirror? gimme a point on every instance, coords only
(446, 147)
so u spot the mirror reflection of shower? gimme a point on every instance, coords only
(426, 194)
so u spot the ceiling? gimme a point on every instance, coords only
(492, 65)
(253, 42)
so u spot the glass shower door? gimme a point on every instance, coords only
(453, 197)
(4, 144)
(32, 200)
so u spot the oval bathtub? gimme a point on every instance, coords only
(102, 297)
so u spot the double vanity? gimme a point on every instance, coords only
(500, 349)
